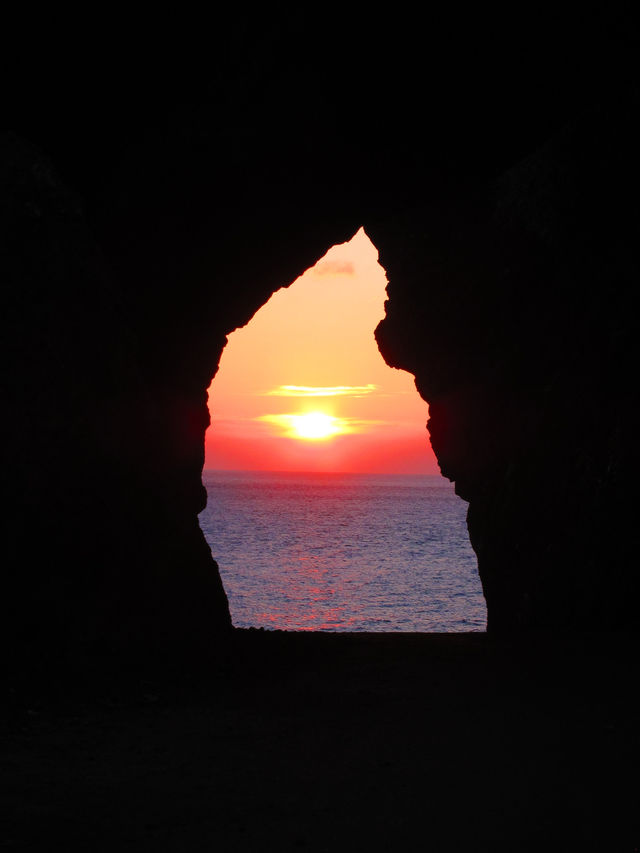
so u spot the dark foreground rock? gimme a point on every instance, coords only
(512, 311)
(150, 205)
(339, 742)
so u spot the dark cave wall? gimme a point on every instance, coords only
(101, 547)
(514, 313)
(146, 217)
(109, 351)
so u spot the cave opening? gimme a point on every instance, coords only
(326, 508)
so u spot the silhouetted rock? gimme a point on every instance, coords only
(513, 312)
(102, 550)
(151, 206)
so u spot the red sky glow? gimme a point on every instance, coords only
(302, 387)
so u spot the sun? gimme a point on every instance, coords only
(310, 426)
(315, 425)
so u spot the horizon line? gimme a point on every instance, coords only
(307, 471)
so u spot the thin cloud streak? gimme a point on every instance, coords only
(321, 391)
(333, 268)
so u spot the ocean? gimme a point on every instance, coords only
(343, 552)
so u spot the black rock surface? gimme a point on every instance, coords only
(157, 189)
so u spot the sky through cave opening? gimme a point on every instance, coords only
(326, 507)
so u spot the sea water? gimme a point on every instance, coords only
(343, 552)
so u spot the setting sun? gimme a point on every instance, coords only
(309, 425)
(315, 425)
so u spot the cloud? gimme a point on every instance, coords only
(325, 268)
(322, 391)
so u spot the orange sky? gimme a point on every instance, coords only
(309, 350)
